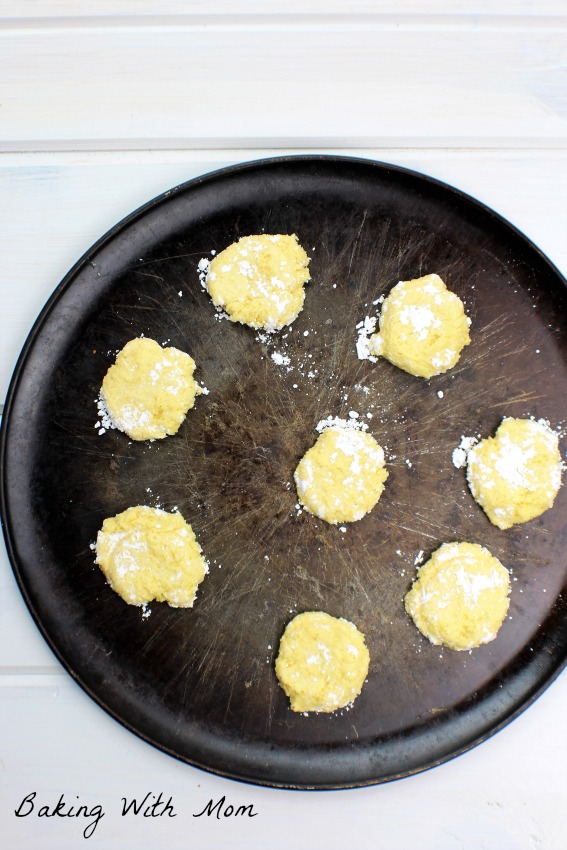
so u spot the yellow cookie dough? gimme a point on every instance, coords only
(515, 475)
(149, 389)
(322, 662)
(259, 280)
(423, 327)
(146, 554)
(460, 596)
(341, 477)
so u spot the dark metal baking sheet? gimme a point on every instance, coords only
(200, 683)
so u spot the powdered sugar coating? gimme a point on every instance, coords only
(148, 391)
(149, 554)
(341, 477)
(516, 475)
(460, 596)
(322, 662)
(259, 280)
(423, 328)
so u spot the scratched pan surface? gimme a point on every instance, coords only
(200, 683)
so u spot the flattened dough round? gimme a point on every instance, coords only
(259, 280)
(322, 662)
(515, 475)
(460, 596)
(149, 389)
(423, 327)
(341, 477)
(148, 554)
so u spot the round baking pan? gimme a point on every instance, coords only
(199, 683)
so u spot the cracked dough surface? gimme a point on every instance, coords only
(423, 327)
(322, 662)
(341, 477)
(148, 554)
(259, 280)
(515, 475)
(460, 596)
(149, 389)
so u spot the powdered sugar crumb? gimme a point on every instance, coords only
(280, 359)
(104, 422)
(203, 268)
(460, 454)
(337, 422)
(366, 328)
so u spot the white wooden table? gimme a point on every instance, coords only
(105, 105)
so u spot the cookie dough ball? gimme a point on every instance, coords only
(148, 554)
(423, 327)
(149, 389)
(259, 280)
(515, 475)
(342, 476)
(322, 662)
(460, 596)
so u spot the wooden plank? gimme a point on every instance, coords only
(270, 87)
(78, 8)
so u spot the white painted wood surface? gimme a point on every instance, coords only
(103, 106)
(53, 9)
(260, 83)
